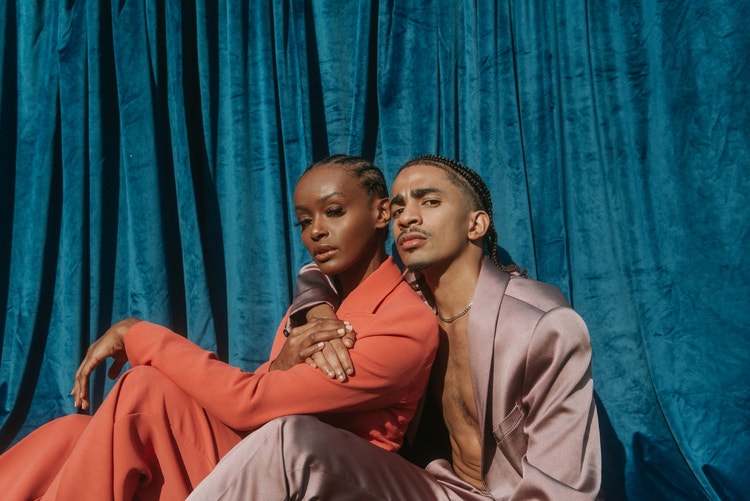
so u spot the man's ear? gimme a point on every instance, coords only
(479, 223)
(384, 213)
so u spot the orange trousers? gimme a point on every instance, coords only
(149, 440)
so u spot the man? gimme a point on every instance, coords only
(512, 376)
(167, 421)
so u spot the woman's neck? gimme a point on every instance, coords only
(357, 273)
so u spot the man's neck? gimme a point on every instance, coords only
(453, 286)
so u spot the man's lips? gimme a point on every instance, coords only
(411, 239)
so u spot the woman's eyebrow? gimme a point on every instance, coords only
(321, 199)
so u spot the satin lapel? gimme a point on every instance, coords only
(482, 328)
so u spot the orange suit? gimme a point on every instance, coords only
(169, 420)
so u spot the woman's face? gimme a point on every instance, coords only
(339, 224)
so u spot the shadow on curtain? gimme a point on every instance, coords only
(148, 151)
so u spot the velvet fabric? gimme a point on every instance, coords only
(149, 149)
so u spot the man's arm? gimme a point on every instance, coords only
(312, 288)
(563, 458)
(315, 297)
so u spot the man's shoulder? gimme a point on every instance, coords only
(518, 289)
(539, 295)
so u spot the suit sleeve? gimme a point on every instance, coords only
(563, 459)
(390, 349)
(312, 288)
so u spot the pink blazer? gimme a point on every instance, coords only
(530, 357)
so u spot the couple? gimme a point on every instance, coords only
(511, 373)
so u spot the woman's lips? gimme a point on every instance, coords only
(324, 253)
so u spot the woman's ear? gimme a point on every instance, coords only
(478, 224)
(384, 213)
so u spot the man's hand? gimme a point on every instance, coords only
(325, 340)
(111, 344)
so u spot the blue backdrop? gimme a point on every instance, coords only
(149, 150)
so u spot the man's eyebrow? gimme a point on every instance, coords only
(415, 193)
(397, 200)
(421, 192)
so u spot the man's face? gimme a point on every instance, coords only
(338, 222)
(430, 217)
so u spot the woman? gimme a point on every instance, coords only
(169, 419)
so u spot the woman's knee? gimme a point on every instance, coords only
(142, 375)
(144, 389)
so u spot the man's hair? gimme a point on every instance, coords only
(476, 194)
(369, 176)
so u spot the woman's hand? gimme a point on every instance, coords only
(323, 343)
(333, 360)
(111, 344)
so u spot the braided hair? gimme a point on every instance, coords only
(369, 176)
(477, 195)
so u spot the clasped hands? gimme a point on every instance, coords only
(322, 343)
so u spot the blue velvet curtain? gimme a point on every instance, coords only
(149, 150)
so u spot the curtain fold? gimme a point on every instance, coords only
(149, 151)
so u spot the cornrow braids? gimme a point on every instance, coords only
(477, 195)
(370, 177)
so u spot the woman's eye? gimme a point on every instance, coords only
(302, 223)
(335, 212)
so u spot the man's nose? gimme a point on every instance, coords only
(408, 217)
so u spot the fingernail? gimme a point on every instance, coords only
(320, 345)
(348, 342)
(341, 331)
(349, 327)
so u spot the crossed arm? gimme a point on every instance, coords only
(323, 342)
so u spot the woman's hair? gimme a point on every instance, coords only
(476, 194)
(370, 177)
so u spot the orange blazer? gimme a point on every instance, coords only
(396, 343)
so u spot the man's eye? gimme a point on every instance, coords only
(397, 212)
(431, 202)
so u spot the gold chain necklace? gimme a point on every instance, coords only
(455, 317)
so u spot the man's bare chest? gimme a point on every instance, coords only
(455, 389)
